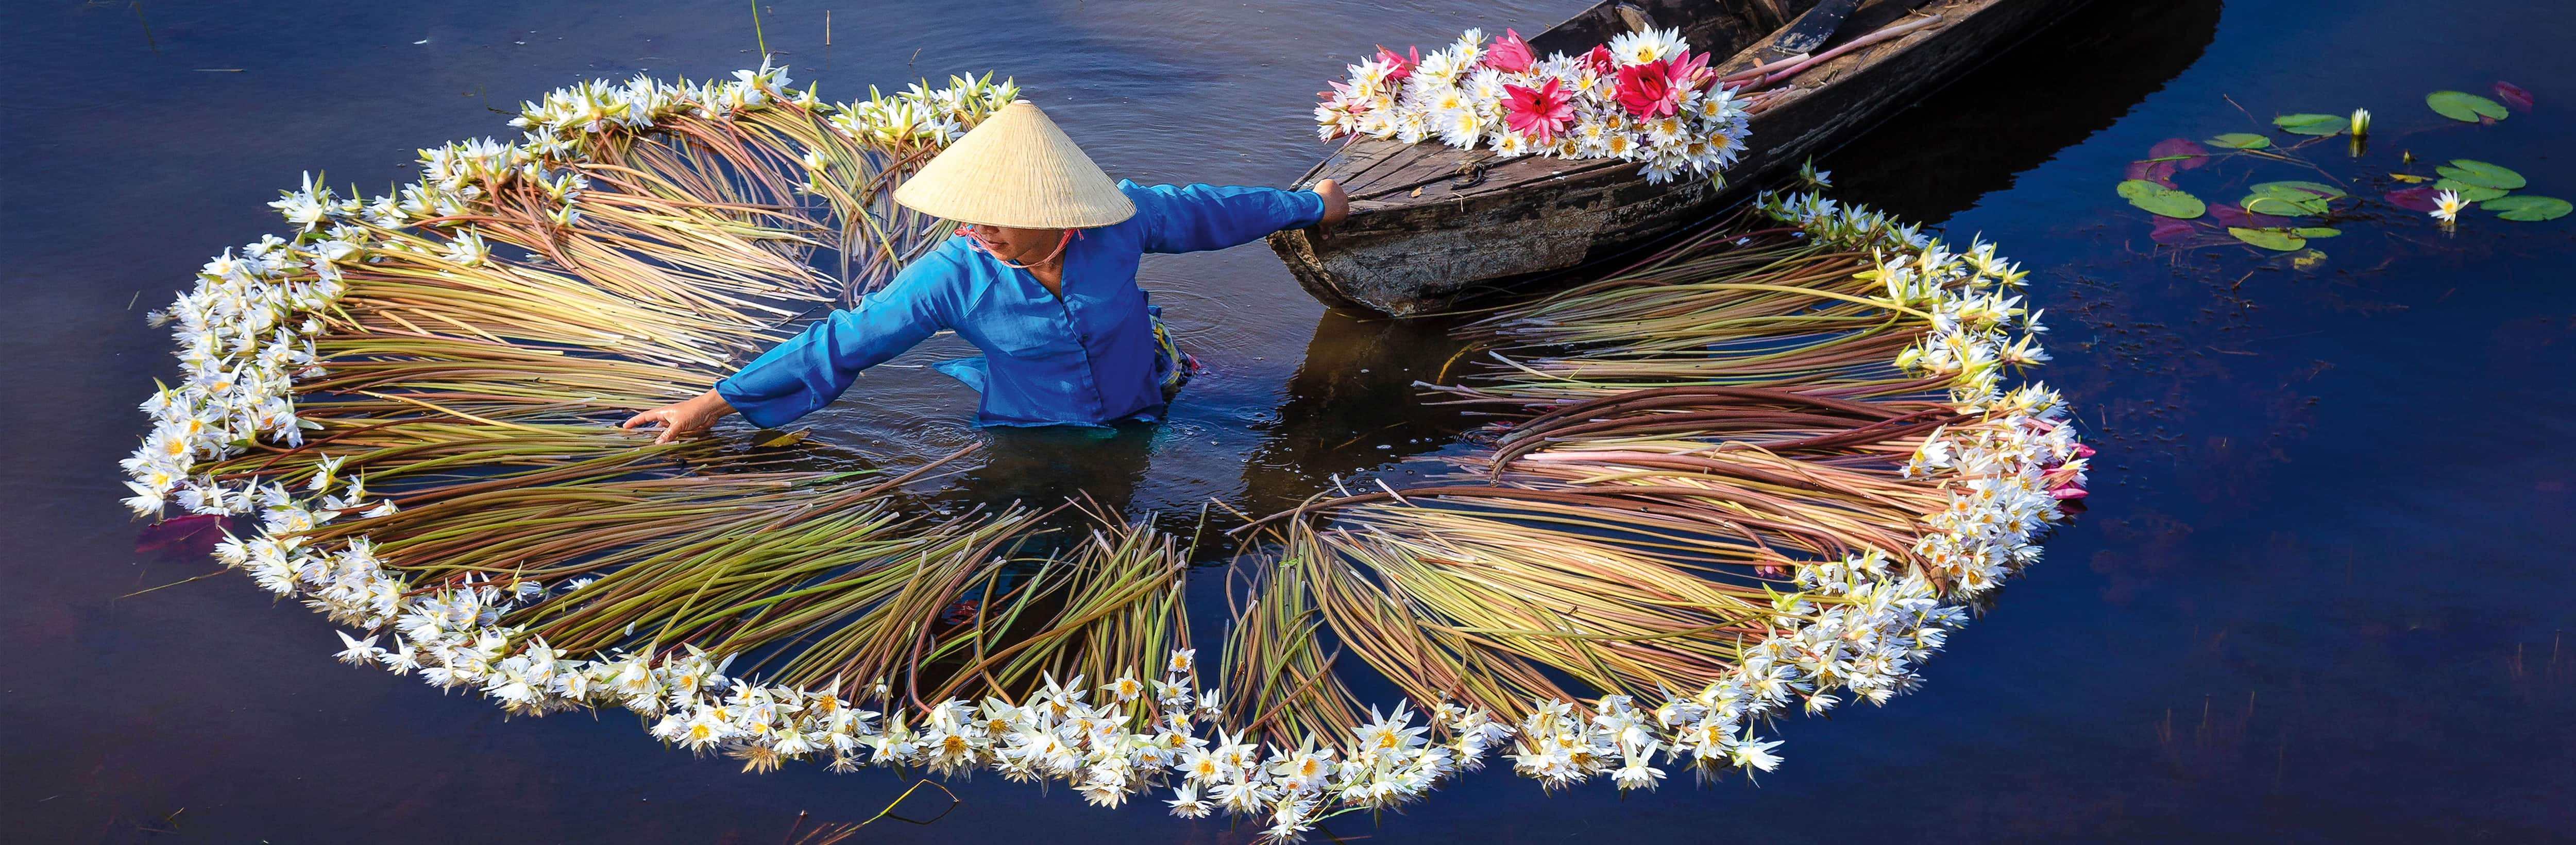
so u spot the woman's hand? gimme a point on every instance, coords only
(684, 418)
(1337, 205)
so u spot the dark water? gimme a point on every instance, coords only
(2320, 596)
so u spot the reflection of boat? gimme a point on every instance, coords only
(1354, 404)
(1430, 222)
(2023, 108)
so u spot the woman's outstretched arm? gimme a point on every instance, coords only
(810, 370)
(1190, 218)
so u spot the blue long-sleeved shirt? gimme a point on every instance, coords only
(1086, 358)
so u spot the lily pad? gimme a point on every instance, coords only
(2229, 215)
(2314, 124)
(2158, 172)
(2468, 192)
(2169, 231)
(2288, 201)
(2240, 141)
(2528, 208)
(2316, 231)
(2482, 173)
(2134, 188)
(2183, 152)
(2328, 191)
(2166, 202)
(2464, 107)
(2271, 239)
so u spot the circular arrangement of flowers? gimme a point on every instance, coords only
(1760, 474)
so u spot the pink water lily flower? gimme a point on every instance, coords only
(1402, 65)
(1691, 73)
(1538, 113)
(1509, 54)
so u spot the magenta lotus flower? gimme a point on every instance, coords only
(1540, 113)
(1509, 54)
(1647, 90)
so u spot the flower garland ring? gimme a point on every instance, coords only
(415, 394)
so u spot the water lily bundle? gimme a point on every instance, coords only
(1760, 474)
(1642, 97)
(1755, 474)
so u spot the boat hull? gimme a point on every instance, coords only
(1437, 242)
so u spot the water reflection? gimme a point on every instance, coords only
(1355, 403)
(2024, 107)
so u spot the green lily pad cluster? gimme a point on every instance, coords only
(2290, 199)
(2491, 186)
(2150, 182)
(2287, 199)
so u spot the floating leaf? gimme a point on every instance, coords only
(2158, 172)
(2316, 231)
(2183, 152)
(2134, 188)
(2463, 106)
(2289, 203)
(2169, 231)
(2482, 173)
(2513, 95)
(2412, 199)
(2229, 215)
(2271, 239)
(2312, 124)
(2307, 262)
(2169, 203)
(2240, 141)
(789, 439)
(2325, 190)
(2468, 192)
(2409, 178)
(2528, 208)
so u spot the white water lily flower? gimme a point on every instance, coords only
(1647, 45)
(2446, 207)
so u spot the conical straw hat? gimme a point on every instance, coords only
(1016, 169)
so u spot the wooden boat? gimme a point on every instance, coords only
(1431, 223)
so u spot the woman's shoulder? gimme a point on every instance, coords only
(946, 273)
(952, 259)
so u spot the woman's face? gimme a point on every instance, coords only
(1019, 245)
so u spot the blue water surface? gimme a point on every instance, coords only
(2320, 596)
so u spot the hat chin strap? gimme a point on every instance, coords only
(975, 235)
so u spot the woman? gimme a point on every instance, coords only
(1041, 277)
